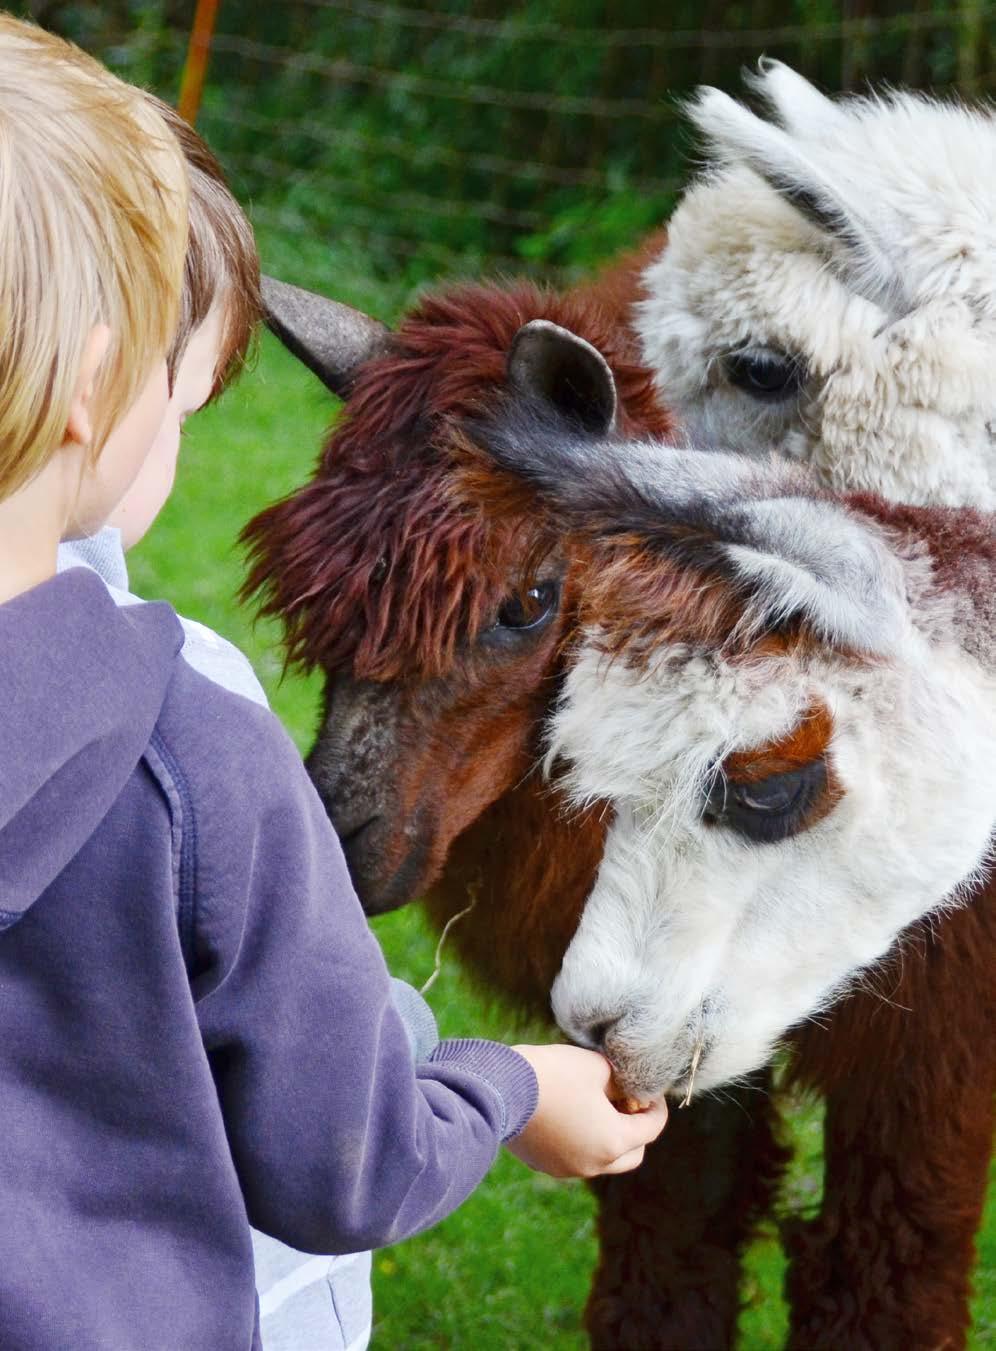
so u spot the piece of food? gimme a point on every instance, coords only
(630, 1106)
(622, 1101)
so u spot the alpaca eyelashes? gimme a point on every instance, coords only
(765, 373)
(769, 809)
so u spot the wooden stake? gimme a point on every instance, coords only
(195, 66)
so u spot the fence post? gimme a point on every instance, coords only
(195, 66)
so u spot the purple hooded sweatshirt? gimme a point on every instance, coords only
(198, 1031)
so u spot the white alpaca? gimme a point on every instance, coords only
(789, 701)
(828, 290)
(732, 903)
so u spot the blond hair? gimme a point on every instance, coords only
(222, 263)
(93, 229)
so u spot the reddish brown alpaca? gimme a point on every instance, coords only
(393, 587)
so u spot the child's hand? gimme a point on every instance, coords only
(575, 1130)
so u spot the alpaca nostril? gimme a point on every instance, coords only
(596, 1034)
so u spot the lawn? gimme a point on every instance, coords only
(511, 1268)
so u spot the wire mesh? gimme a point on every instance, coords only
(458, 136)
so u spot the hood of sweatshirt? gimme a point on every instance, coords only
(83, 684)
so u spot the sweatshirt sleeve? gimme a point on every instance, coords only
(418, 1018)
(340, 1141)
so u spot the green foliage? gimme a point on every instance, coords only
(460, 137)
(584, 233)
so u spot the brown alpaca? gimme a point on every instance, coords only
(442, 662)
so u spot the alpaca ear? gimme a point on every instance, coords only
(552, 364)
(331, 339)
(768, 532)
(798, 105)
(737, 136)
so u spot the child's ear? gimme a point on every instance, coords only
(79, 424)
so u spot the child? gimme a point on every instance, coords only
(198, 1024)
(304, 1302)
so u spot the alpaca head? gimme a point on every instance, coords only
(829, 289)
(786, 700)
(440, 655)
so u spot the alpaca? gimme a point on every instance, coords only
(828, 290)
(789, 700)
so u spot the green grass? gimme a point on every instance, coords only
(512, 1267)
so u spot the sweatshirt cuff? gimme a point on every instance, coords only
(508, 1073)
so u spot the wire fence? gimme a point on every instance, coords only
(461, 136)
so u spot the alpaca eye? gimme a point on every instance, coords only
(528, 609)
(769, 809)
(764, 373)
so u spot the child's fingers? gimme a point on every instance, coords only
(642, 1127)
(632, 1135)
